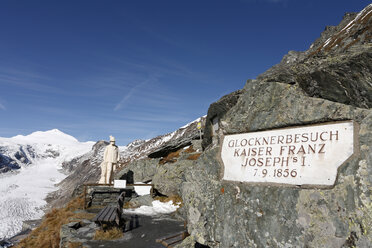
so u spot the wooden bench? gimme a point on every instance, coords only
(111, 215)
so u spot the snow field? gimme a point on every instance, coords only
(157, 208)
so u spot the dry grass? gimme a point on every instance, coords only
(194, 156)
(129, 204)
(171, 157)
(190, 149)
(75, 245)
(109, 234)
(176, 199)
(47, 234)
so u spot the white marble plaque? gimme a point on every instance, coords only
(308, 155)
(120, 184)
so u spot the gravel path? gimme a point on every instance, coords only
(146, 229)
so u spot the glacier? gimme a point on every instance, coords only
(22, 191)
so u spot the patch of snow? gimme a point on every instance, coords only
(327, 41)
(197, 120)
(365, 16)
(348, 26)
(22, 194)
(362, 14)
(157, 208)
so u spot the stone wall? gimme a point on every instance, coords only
(105, 195)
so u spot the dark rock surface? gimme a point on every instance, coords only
(216, 111)
(12, 159)
(104, 195)
(7, 164)
(143, 170)
(169, 177)
(77, 232)
(190, 133)
(337, 67)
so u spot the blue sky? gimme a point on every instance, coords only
(138, 69)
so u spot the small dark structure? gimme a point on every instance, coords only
(111, 214)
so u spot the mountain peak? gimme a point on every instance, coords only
(53, 136)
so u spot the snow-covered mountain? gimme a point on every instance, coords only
(31, 167)
(21, 151)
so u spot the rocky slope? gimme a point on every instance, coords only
(86, 168)
(333, 64)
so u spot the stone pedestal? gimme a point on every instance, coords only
(105, 195)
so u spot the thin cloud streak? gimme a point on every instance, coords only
(28, 80)
(2, 107)
(132, 91)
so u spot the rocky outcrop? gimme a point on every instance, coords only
(13, 158)
(77, 233)
(215, 112)
(337, 67)
(142, 170)
(226, 214)
(7, 164)
(169, 177)
(181, 138)
(166, 176)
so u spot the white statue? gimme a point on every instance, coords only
(110, 160)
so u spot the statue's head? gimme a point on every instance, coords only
(112, 139)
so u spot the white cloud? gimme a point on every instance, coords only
(2, 107)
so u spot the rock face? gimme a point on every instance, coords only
(325, 84)
(226, 214)
(77, 233)
(180, 138)
(165, 176)
(142, 170)
(333, 64)
(215, 112)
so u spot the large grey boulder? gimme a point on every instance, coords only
(170, 176)
(142, 170)
(233, 214)
(215, 112)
